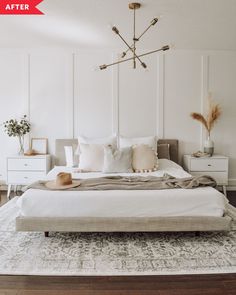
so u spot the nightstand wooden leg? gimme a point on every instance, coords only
(224, 190)
(8, 191)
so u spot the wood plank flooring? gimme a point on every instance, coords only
(224, 284)
(216, 284)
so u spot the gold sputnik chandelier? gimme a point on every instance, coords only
(132, 48)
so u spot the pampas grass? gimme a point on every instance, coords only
(213, 115)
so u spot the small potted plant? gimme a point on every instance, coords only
(212, 116)
(15, 128)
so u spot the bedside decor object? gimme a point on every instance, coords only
(215, 166)
(133, 47)
(200, 154)
(39, 146)
(15, 128)
(208, 122)
(30, 152)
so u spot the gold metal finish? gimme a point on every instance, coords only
(163, 48)
(132, 48)
(135, 5)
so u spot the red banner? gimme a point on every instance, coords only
(20, 7)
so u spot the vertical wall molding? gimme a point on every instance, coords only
(160, 96)
(27, 67)
(71, 96)
(204, 92)
(75, 96)
(115, 98)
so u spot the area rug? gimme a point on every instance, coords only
(112, 253)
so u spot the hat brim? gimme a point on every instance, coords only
(53, 185)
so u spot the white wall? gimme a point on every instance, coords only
(64, 96)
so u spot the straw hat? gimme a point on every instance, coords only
(63, 181)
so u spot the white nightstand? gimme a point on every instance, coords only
(23, 170)
(215, 166)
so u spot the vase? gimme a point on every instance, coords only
(21, 142)
(209, 146)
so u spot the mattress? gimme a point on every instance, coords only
(205, 201)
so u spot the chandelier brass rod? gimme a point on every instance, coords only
(144, 32)
(138, 39)
(164, 48)
(130, 48)
(134, 48)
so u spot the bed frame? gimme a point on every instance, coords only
(124, 224)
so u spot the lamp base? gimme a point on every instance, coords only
(134, 5)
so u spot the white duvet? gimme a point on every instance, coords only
(121, 203)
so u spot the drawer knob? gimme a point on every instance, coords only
(25, 177)
(25, 164)
(209, 165)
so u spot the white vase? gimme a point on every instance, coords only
(209, 146)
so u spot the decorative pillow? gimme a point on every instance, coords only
(91, 157)
(163, 150)
(117, 160)
(148, 140)
(111, 140)
(144, 158)
(72, 159)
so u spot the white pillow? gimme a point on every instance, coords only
(91, 157)
(71, 159)
(130, 141)
(116, 161)
(111, 140)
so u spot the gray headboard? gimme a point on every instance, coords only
(60, 153)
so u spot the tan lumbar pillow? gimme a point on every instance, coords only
(144, 158)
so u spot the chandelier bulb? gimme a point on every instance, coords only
(123, 54)
(95, 68)
(103, 67)
(143, 65)
(115, 30)
(154, 21)
(166, 47)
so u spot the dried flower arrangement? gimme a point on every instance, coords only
(209, 121)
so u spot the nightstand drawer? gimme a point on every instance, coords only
(220, 177)
(209, 164)
(19, 177)
(26, 164)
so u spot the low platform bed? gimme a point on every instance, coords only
(123, 223)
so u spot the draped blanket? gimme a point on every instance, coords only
(135, 183)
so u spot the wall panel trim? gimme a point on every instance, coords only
(160, 96)
(204, 93)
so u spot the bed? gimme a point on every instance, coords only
(199, 209)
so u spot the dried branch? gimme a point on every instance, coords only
(201, 119)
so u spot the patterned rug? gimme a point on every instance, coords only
(112, 253)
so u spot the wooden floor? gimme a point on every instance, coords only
(220, 284)
(150, 285)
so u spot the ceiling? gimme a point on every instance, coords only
(188, 24)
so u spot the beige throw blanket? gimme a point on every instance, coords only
(135, 183)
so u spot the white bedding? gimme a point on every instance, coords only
(120, 203)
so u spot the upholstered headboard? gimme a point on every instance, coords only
(61, 143)
(174, 148)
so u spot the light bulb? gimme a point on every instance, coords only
(110, 26)
(95, 68)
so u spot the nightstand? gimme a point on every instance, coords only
(215, 166)
(23, 170)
